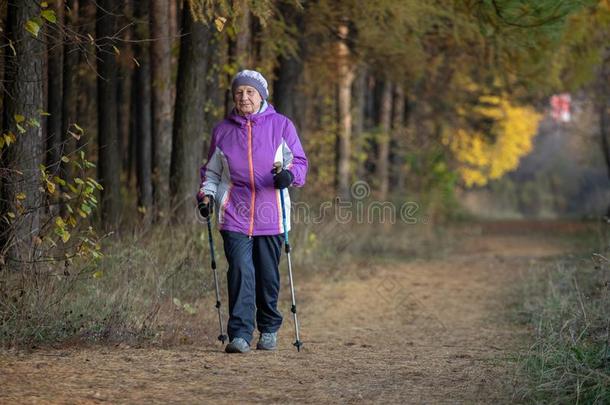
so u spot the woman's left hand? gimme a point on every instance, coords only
(282, 179)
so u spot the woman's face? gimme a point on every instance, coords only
(247, 100)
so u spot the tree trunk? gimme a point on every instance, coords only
(603, 105)
(55, 82)
(189, 118)
(161, 103)
(359, 97)
(243, 40)
(124, 86)
(290, 69)
(173, 28)
(346, 77)
(398, 131)
(69, 98)
(383, 140)
(3, 46)
(240, 49)
(24, 78)
(109, 162)
(143, 110)
(284, 88)
(133, 135)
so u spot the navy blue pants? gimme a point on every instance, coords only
(254, 283)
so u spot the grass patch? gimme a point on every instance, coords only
(566, 302)
(155, 286)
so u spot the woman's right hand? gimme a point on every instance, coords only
(206, 206)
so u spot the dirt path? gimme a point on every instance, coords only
(419, 332)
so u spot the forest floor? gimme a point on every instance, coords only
(418, 331)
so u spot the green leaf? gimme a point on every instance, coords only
(32, 27)
(34, 122)
(79, 128)
(65, 236)
(19, 118)
(95, 183)
(78, 180)
(9, 138)
(85, 208)
(20, 129)
(59, 221)
(51, 186)
(177, 302)
(49, 15)
(65, 159)
(59, 180)
(98, 274)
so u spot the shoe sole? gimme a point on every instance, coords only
(230, 349)
(260, 347)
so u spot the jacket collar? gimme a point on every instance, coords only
(254, 118)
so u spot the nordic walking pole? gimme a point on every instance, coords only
(222, 337)
(293, 309)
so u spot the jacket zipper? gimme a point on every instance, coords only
(250, 163)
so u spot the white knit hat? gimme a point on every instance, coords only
(251, 78)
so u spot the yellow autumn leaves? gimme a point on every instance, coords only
(488, 151)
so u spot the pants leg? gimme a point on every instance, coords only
(241, 283)
(266, 254)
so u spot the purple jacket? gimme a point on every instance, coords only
(238, 171)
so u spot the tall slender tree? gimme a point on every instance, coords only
(383, 140)
(69, 84)
(290, 68)
(189, 119)
(125, 77)
(239, 44)
(398, 138)
(358, 110)
(345, 78)
(22, 106)
(55, 51)
(161, 70)
(109, 162)
(143, 109)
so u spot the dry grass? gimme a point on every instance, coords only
(150, 284)
(567, 303)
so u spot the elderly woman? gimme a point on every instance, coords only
(240, 180)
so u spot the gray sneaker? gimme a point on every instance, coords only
(238, 345)
(267, 341)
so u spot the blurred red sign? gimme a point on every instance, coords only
(560, 107)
